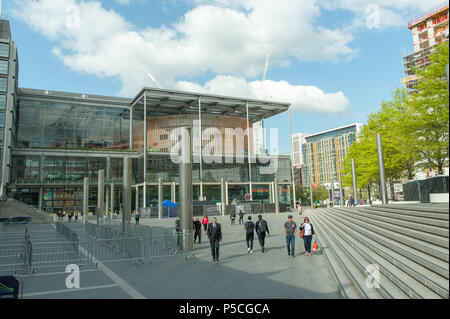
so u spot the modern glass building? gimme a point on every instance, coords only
(50, 141)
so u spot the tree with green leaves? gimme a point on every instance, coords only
(430, 122)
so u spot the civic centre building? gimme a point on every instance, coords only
(50, 141)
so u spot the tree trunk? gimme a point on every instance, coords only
(391, 186)
(368, 192)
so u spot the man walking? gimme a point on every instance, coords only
(178, 230)
(261, 230)
(249, 228)
(290, 227)
(233, 218)
(215, 237)
(137, 215)
(241, 216)
(197, 230)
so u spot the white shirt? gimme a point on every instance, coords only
(307, 228)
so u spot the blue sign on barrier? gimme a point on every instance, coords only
(9, 287)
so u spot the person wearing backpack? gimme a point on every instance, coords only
(249, 228)
(261, 230)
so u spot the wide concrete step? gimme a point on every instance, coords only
(404, 212)
(413, 278)
(423, 219)
(444, 232)
(437, 240)
(417, 244)
(348, 272)
(419, 208)
(346, 286)
(386, 288)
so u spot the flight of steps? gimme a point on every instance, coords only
(409, 244)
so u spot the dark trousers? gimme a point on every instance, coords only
(214, 248)
(205, 226)
(241, 220)
(307, 241)
(290, 243)
(198, 233)
(249, 238)
(137, 221)
(261, 239)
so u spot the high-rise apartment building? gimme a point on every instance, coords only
(324, 153)
(428, 30)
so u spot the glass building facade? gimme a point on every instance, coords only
(53, 140)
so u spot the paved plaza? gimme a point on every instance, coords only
(240, 275)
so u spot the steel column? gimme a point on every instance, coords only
(249, 157)
(145, 149)
(85, 199)
(126, 196)
(100, 197)
(160, 198)
(222, 195)
(277, 202)
(112, 200)
(185, 171)
(384, 198)
(355, 187)
(292, 158)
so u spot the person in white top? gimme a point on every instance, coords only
(308, 233)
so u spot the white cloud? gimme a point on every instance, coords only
(123, 2)
(215, 36)
(303, 98)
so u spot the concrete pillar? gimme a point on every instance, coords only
(85, 199)
(41, 193)
(384, 198)
(185, 169)
(249, 154)
(131, 129)
(292, 159)
(222, 195)
(173, 194)
(126, 196)
(106, 201)
(275, 192)
(160, 198)
(355, 187)
(136, 199)
(145, 150)
(271, 201)
(226, 193)
(341, 191)
(144, 195)
(201, 191)
(100, 197)
(311, 194)
(112, 200)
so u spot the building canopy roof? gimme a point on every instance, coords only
(165, 102)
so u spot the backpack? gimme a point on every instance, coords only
(262, 227)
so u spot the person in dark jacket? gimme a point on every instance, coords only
(261, 228)
(249, 228)
(178, 230)
(197, 230)
(241, 216)
(233, 217)
(215, 237)
(308, 234)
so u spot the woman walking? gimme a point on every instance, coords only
(205, 222)
(299, 210)
(307, 232)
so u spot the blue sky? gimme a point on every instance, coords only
(362, 64)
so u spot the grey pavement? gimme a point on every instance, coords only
(239, 275)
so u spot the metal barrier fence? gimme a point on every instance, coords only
(13, 258)
(157, 242)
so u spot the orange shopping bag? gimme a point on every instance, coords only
(315, 246)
